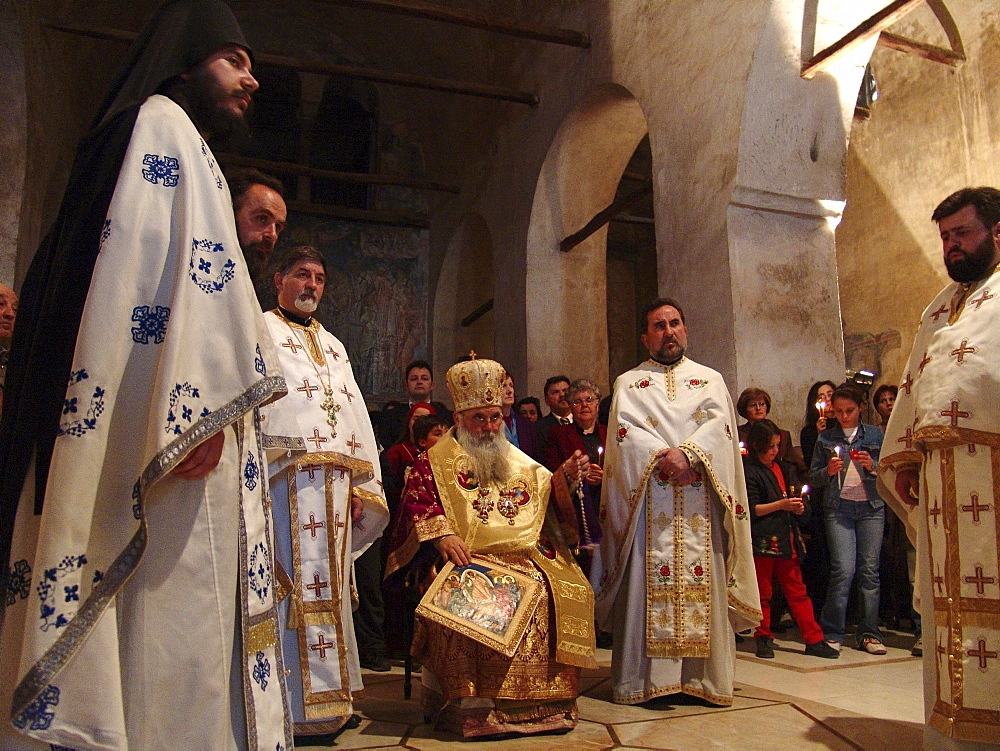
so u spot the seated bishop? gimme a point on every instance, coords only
(475, 501)
(327, 500)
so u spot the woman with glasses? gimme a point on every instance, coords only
(753, 406)
(587, 435)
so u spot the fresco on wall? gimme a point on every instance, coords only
(375, 296)
(864, 351)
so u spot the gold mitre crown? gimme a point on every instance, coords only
(476, 383)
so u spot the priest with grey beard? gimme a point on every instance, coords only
(475, 500)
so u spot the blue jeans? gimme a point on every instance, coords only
(854, 534)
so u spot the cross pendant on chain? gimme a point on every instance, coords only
(330, 406)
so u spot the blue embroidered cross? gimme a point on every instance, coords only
(251, 472)
(19, 581)
(259, 571)
(161, 169)
(152, 320)
(262, 671)
(36, 716)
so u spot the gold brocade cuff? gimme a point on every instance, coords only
(433, 527)
(693, 458)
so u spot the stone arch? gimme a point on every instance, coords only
(464, 289)
(566, 292)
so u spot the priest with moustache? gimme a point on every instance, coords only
(473, 494)
(136, 540)
(326, 500)
(939, 473)
(678, 576)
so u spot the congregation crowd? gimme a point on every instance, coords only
(207, 534)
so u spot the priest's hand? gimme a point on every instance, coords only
(675, 467)
(454, 549)
(202, 459)
(357, 508)
(907, 485)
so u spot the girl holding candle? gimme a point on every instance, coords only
(844, 464)
(777, 542)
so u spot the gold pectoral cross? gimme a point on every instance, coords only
(330, 406)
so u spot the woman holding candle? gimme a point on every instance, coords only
(844, 464)
(777, 542)
(587, 435)
(818, 410)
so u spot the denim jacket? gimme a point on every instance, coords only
(868, 438)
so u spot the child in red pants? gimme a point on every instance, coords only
(777, 543)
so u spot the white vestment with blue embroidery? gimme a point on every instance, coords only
(141, 610)
(316, 468)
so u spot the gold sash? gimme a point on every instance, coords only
(509, 519)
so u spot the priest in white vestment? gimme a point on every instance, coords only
(940, 472)
(139, 603)
(678, 565)
(327, 500)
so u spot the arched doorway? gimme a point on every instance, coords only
(566, 290)
(463, 305)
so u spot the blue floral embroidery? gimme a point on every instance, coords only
(251, 472)
(47, 593)
(152, 320)
(19, 582)
(258, 363)
(181, 410)
(36, 716)
(161, 169)
(259, 571)
(72, 406)
(201, 262)
(262, 671)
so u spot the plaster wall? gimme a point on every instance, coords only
(786, 204)
(748, 170)
(933, 130)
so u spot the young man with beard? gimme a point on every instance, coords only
(139, 596)
(938, 472)
(261, 216)
(678, 564)
(473, 494)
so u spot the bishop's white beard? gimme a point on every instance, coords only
(487, 454)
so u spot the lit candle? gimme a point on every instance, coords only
(743, 448)
(805, 490)
(600, 456)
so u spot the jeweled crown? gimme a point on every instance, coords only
(476, 383)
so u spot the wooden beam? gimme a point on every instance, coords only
(605, 216)
(400, 79)
(291, 168)
(359, 215)
(920, 49)
(859, 35)
(478, 313)
(472, 19)
(350, 71)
